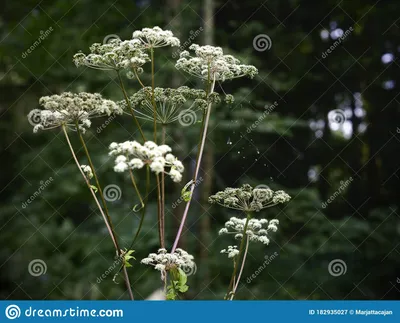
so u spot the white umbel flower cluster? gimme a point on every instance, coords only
(88, 171)
(257, 230)
(248, 199)
(211, 63)
(155, 37)
(164, 261)
(232, 251)
(133, 155)
(171, 104)
(115, 55)
(69, 108)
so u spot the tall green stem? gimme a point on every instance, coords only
(198, 162)
(110, 230)
(152, 94)
(95, 177)
(146, 198)
(231, 289)
(159, 199)
(128, 103)
(136, 187)
(162, 202)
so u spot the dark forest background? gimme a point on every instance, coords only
(297, 147)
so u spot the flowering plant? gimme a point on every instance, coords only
(72, 113)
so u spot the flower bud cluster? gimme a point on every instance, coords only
(155, 37)
(232, 251)
(88, 171)
(210, 63)
(133, 155)
(164, 261)
(248, 199)
(170, 103)
(114, 55)
(257, 230)
(71, 108)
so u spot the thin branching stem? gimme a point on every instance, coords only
(95, 178)
(236, 282)
(198, 162)
(110, 231)
(128, 103)
(162, 202)
(152, 93)
(231, 290)
(136, 187)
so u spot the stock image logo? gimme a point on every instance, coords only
(187, 117)
(37, 267)
(262, 42)
(110, 38)
(12, 312)
(189, 271)
(112, 193)
(337, 267)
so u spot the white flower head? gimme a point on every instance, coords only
(115, 55)
(170, 103)
(88, 171)
(155, 37)
(257, 230)
(133, 155)
(210, 62)
(164, 261)
(71, 108)
(248, 199)
(232, 251)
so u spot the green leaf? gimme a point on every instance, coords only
(182, 277)
(94, 188)
(184, 193)
(128, 256)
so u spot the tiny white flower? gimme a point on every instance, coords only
(135, 156)
(160, 267)
(156, 167)
(136, 163)
(120, 167)
(175, 175)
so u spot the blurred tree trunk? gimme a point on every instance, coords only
(208, 161)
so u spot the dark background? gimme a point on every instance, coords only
(295, 148)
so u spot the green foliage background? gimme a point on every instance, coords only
(61, 226)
